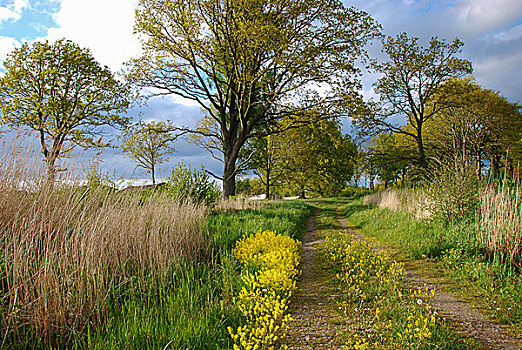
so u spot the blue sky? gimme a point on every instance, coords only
(490, 29)
(27, 20)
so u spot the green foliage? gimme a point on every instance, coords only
(97, 179)
(354, 192)
(148, 144)
(454, 193)
(319, 158)
(411, 78)
(185, 182)
(477, 125)
(62, 93)
(249, 63)
(265, 156)
(387, 158)
(249, 187)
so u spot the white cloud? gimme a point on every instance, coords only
(183, 101)
(13, 11)
(6, 46)
(477, 16)
(104, 26)
(19, 5)
(512, 34)
(6, 14)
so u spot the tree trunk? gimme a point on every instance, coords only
(422, 152)
(231, 147)
(50, 160)
(495, 167)
(51, 168)
(229, 176)
(50, 157)
(267, 187)
(229, 185)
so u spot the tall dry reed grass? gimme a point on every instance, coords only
(64, 248)
(501, 223)
(237, 203)
(413, 201)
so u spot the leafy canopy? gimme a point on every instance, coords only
(148, 144)
(250, 62)
(319, 159)
(60, 91)
(479, 126)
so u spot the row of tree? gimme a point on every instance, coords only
(472, 128)
(315, 158)
(273, 80)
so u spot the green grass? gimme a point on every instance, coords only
(452, 249)
(283, 217)
(184, 311)
(192, 306)
(416, 238)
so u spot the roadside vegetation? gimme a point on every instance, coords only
(89, 267)
(270, 262)
(478, 258)
(166, 266)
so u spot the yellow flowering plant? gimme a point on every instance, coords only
(264, 299)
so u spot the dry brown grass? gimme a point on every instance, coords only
(237, 203)
(62, 249)
(501, 223)
(414, 201)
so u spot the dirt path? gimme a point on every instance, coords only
(472, 322)
(315, 323)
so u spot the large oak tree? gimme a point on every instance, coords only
(61, 92)
(250, 62)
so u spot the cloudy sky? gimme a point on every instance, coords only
(490, 29)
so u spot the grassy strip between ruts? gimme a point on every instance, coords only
(192, 306)
(379, 308)
(452, 251)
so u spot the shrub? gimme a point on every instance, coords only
(454, 193)
(190, 183)
(355, 191)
